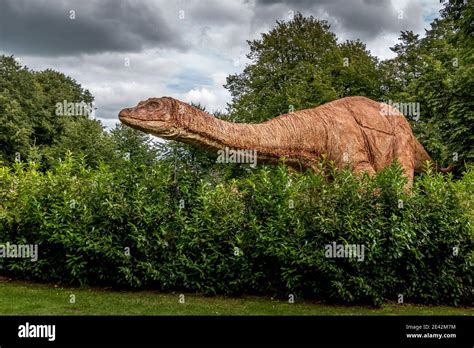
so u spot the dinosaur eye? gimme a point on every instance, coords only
(152, 104)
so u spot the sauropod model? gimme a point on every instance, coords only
(355, 131)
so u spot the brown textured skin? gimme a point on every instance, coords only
(350, 131)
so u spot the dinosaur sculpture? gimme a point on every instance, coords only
(350, 131)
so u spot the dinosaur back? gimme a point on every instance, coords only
(361, 124)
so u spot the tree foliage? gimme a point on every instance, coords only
(299, 65)
(31, 127)
(28, 121)
(265, 233)
(437, 71)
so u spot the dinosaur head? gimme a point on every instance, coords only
(155, 116)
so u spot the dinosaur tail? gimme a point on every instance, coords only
(421, 156)
(448, 169)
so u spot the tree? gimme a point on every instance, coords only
(437, 72)
(16, 93)
(55, 87)
(405, 67)
(358, 74)
(28, 121)
(460, 120)
(85, 137)
(299, 65)
(15, 129)
(134, 145)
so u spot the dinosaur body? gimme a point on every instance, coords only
(350, 131)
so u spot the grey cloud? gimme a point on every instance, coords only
(45, 28)
(363, 19)
(215, 12)
(170, 56)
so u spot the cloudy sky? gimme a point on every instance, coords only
(125, 51)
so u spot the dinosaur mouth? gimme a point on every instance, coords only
(129, 121)
(143, 125)
(160, 129)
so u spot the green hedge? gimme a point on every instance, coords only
(263, 233)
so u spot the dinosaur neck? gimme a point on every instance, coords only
(203, 130)
(295, 137)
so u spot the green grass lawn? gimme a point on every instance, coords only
(24, 298)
